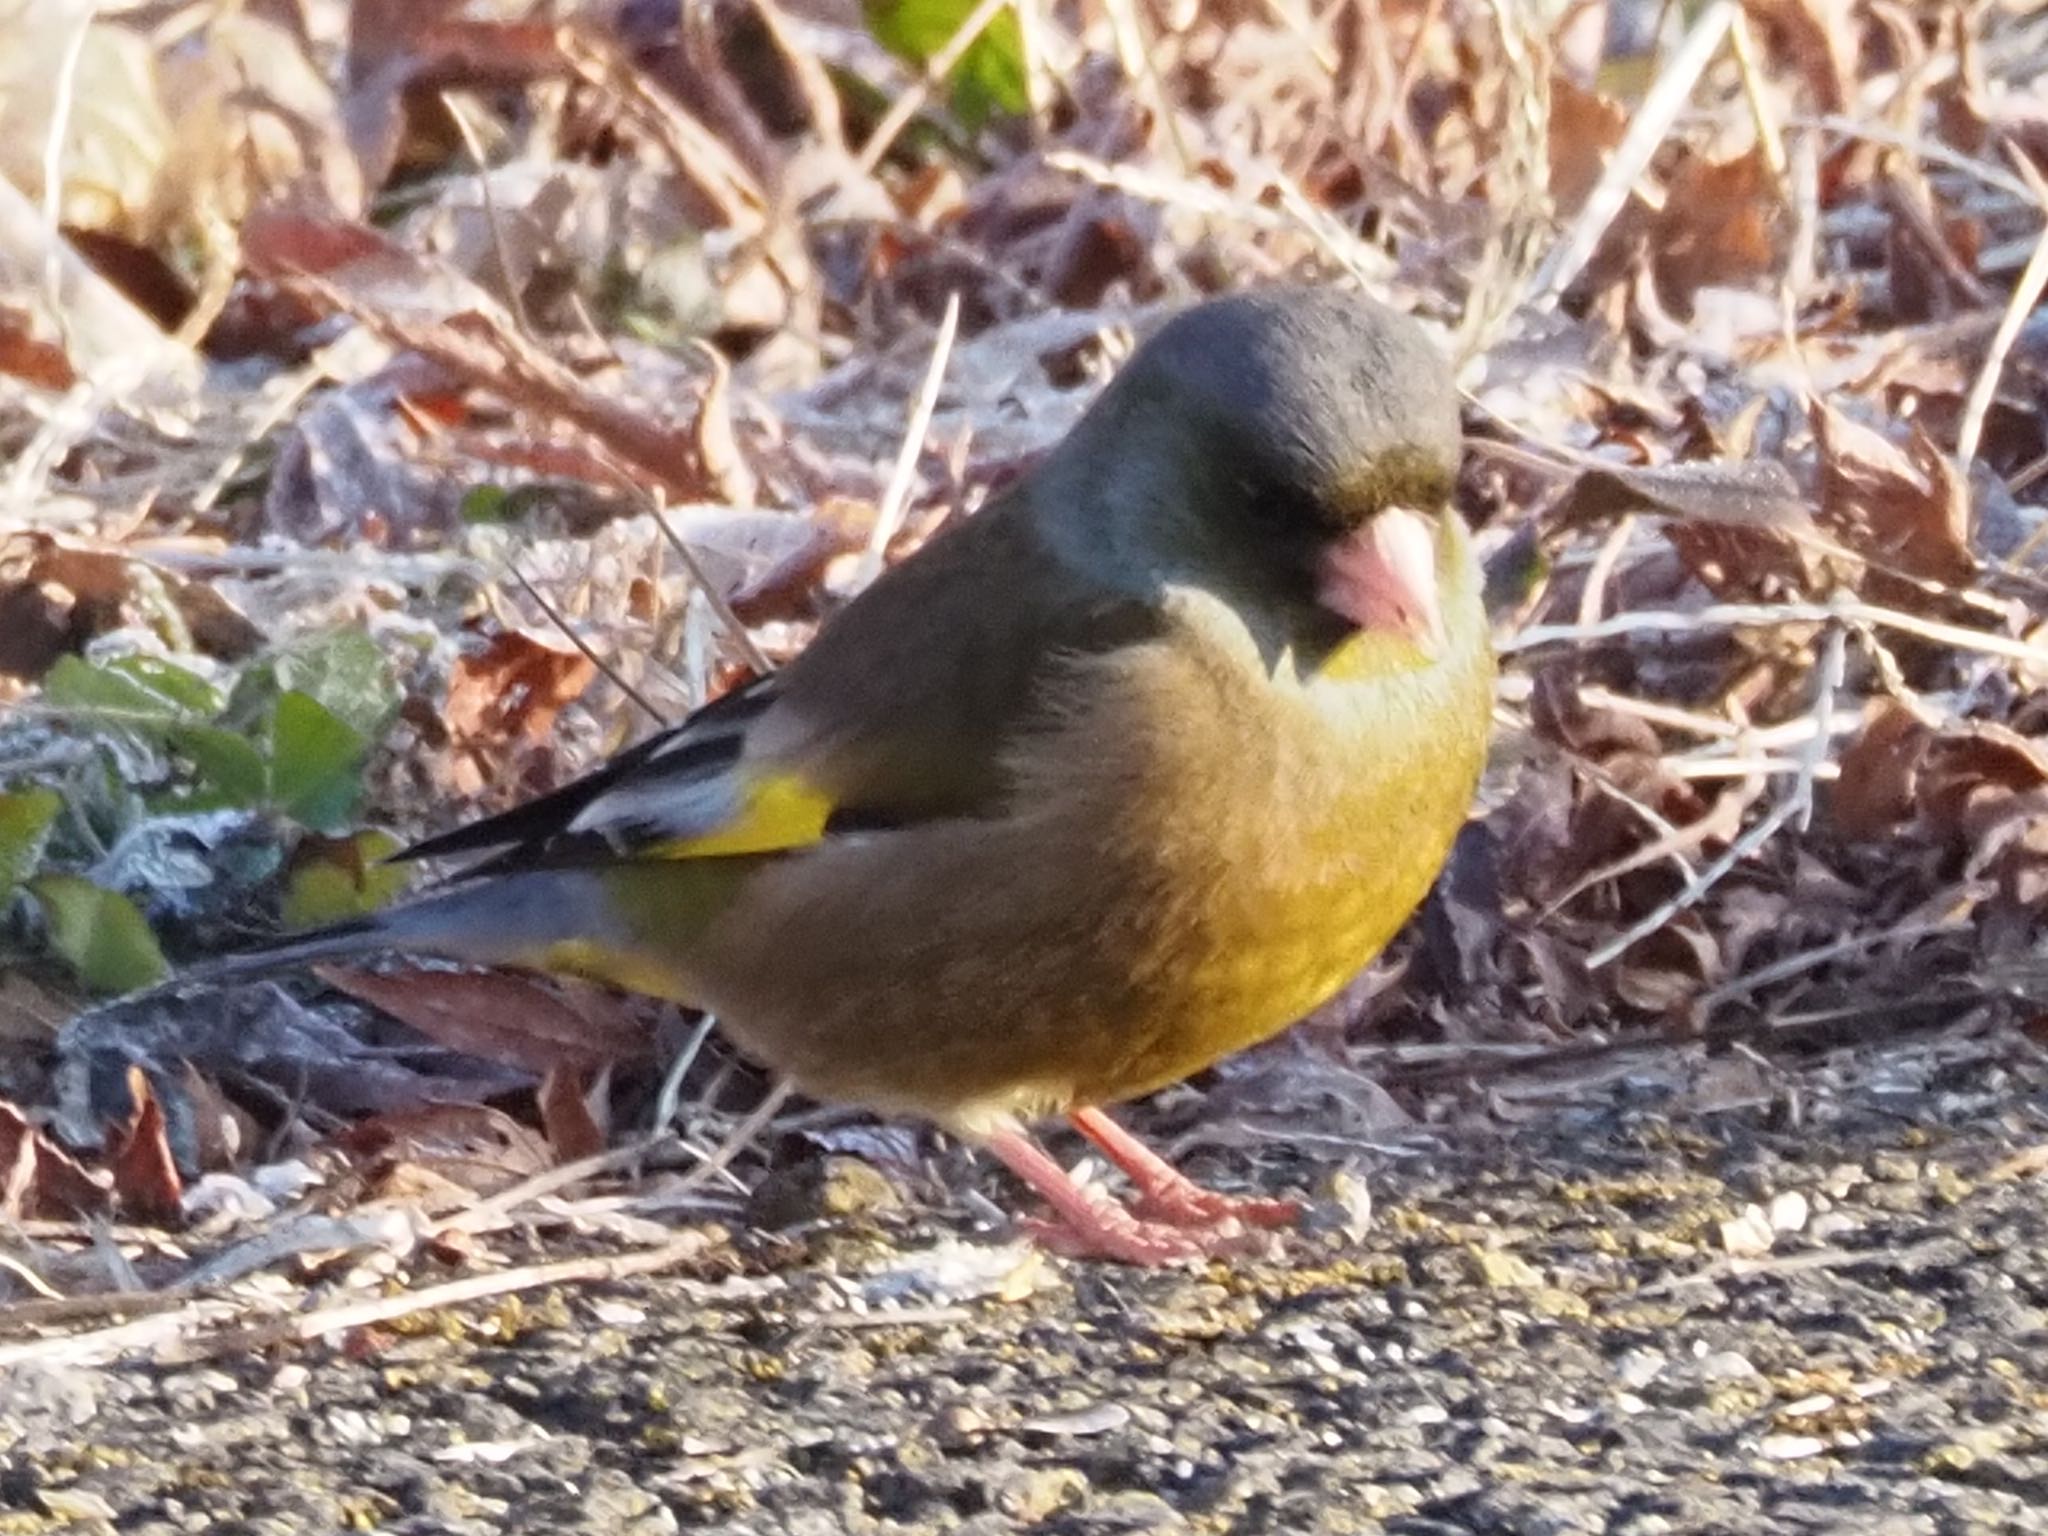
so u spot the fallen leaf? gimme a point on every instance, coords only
(566, 1115)
(1877, 788)
(38, 1179)
(504, 1016)
(1905, 508)
(512, 690)
(23, 355)
(147, 1186)
(420, 1152)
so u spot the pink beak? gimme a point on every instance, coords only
(1383, 577)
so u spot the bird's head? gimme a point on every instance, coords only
(1294, 450)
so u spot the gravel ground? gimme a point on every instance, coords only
(1823, 1311)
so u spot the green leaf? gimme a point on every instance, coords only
(342, 671)
(486, 504)
(99, 933)
(231, 767)
(24, 830)
(343, 879)
(990, 76)
(139, 691)
(315, 762)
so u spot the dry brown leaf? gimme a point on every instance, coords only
(226, 1135)
(147, 1186)
(1722, 225)
(567, 1117)
(1878, 785)
(1970, 767)
(40, 1180)
(1585, 126)
(57, 595)
(23, 355)
(512, 690)
(1743, 527)
(1905, 508)
(418, 1154)
(1817, 39)
(503, 1016)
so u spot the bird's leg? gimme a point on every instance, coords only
(1165, 1194)
(1090, 1225)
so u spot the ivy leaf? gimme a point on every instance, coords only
(316, 760)
(990, 76)
(25, 820)
(99, 933)
(141, 692)
(231, 766)
(343, 672)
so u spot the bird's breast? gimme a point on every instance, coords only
(1283, 828)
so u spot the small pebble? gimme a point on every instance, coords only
(1749, 1235)
(1096, 1419)
(1725, 1365)
(1640, 1367)
(1788, 1212)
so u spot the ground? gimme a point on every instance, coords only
(1822, 1309)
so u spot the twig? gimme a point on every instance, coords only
(1813, 1261)
(470, 141)
(1632, 156)
(734, 625)
(671, 1093)
(1769, 616)
(1602, 568)
(31, 1279)
(1128, 30)
(1767, 135)
(1797, 806)
(1811, 959)
(1932, 151)
(714, 1164)
(2026, 294)
(61, 101)
(1750, 737)
(385, 1309)
(590, 655)
(102, 1344)
(1722, 819)
(1748, 767)
(889, 515)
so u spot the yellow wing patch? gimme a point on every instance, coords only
(776, 811)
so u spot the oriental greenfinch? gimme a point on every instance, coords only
(1124, 773)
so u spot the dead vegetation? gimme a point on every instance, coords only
(404, 405)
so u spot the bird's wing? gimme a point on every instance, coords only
(906, 708)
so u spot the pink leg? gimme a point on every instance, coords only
(1093, 1226)
(1165, 1193)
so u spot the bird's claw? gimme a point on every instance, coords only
(1196, 1207)
(1122, 1237)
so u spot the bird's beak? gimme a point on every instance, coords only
(1382, 576)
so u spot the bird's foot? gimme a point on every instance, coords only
(1088, 1224)
(1166, 1195)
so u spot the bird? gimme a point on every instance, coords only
(1123, 773)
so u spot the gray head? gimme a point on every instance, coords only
(1254, 437)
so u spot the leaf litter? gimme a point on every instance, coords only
(433, 403)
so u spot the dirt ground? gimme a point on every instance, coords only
(1823, 1309)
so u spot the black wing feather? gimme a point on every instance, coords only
(706, 743)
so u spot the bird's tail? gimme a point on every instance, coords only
(356, 938)
(630, 925)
